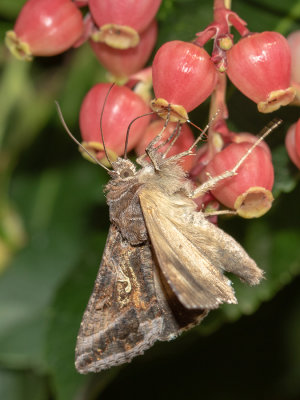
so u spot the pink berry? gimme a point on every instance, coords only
(183, 74)
(123, 63)
(249, 192)
(81, 3)
(294, 43)
(121, 107)
(45, 28)
(259, 65)
(184, 141)
(136, 14)
(292, 143)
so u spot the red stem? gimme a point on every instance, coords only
(218, 4)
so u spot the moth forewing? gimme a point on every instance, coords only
(195, 281)
(193, 253)
(122, 318)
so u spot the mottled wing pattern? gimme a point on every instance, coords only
(125, 210)
(122, 318)
(189, 255)
(130, 308)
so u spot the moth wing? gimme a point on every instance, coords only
(122, 318)
(225, 253)
(196, 282)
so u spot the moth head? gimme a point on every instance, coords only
(123, 169)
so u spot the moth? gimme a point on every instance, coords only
(164, 264)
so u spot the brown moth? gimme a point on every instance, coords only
(163, 265)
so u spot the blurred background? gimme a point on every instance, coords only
(54, 222)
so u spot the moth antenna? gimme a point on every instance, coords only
(73, 137)
(128, 131)
(194, 125)
(101, 118)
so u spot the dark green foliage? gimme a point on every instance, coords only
(54, 223)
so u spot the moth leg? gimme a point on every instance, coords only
(221, 212)
(212, 182)
(141, 160)
(171, 139)
(189, 151)
(151, 150)
(157, 138)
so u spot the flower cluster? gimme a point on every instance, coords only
(122, 34)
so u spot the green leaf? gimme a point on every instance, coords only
(181, 20)
(11, 9)
(285, 181)
(16, 385)
(54, 207)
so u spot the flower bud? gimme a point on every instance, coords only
(121, 22)
(259, 65)
(122, 63)
(136, 14)
(248, 192)
(45, 28)
(183, 77)
(294, 43)
(122, 106)
(292, 143)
